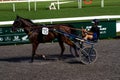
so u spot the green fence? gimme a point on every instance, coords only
(107, 30)
(7, 36)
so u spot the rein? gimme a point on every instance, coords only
(30, 33)
(50, 29)
(76, 29)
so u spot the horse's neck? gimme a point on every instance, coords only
(27, 29)
(31, 29)
(27, 26)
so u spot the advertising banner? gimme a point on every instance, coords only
(7, 36)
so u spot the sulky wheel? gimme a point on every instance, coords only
(88, 55)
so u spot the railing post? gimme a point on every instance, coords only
(102, 3)
(29, 5)
(79, 3)
(35, 7)
(58, 4)
(13, 7)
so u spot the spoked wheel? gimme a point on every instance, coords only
(88, 55)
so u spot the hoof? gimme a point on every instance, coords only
(77, 55)
(60, 58)
(40, 56)
(43, 56)
(30, 61)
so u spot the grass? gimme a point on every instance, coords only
(67, 10)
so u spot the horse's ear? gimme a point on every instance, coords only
(17, 16)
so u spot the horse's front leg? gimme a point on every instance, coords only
(34, 48)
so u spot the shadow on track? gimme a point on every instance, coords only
(66, 58)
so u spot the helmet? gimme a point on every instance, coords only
(95, 21)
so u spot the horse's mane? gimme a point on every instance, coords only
(29, 21)
(18, 17)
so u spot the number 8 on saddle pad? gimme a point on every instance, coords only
(45, 31)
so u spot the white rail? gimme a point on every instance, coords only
(16, 1)
(67, 19)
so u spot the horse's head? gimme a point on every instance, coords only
(17, 23)
(20, 22)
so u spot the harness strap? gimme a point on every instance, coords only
(30, 33)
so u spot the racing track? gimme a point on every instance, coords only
(14, 63)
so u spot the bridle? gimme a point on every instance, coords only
(20, 23)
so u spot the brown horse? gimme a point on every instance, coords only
(35, 35)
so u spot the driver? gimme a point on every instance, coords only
(94, 33)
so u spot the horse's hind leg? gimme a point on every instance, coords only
(75, 48)
(69, 42)
(62, 48)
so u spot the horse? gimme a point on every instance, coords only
(34, 32)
